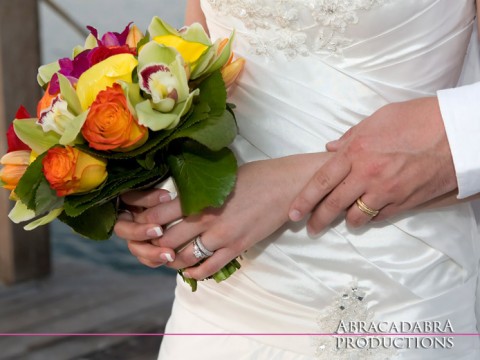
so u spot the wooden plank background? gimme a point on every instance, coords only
(82, 297)
(20, 257)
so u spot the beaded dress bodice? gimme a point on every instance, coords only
(300, 27)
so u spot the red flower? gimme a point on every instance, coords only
(14, 143)
(101, 53)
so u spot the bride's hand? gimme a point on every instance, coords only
(139, 232)
(256, 208)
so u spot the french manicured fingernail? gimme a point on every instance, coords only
(155, 232)
(295, 215)
(168, 197)
(166, 257)
(187, 275)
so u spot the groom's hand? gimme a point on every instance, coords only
(394, 160)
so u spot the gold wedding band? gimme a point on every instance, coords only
(365, 209)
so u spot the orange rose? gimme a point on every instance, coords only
(110, 125)
(71, 171)
(14, 165)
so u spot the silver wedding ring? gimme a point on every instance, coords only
(199, 250)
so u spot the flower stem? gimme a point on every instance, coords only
(221, 275)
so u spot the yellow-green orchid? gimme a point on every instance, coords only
(162, 76)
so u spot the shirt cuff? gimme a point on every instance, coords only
(460, 108)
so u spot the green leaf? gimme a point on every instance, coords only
(215, 132)
(46, 198)
(33, 135)
(211, 123)
(117, 183)
(204, 178)
(212, 91)
(27, 186)
(148, 162)
(96, 223)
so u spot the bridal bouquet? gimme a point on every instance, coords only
(125, 112)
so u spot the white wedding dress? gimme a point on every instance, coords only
(315, 68)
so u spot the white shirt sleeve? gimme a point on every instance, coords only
(460, 108)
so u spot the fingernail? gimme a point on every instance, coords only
(166, 257)
(187, 275)
(125, 215)
(295, 215)
(311, 232)
(155, 232)
(168, 197)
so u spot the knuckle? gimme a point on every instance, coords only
(446, 184)
(148, 217)
(374, 169)
(132, 248)
(391, 188)
(203, 271)
(315, 223)
(358, 145)
(302, 203)
(355, 221)
(332, 203)
(322, 181)
(206, 218)
(221, 232)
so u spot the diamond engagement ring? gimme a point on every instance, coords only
(199, 250)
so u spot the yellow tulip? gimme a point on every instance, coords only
(103, 75)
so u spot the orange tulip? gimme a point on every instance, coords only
(134, 36)
(110, 125)
(14, 165)
(70, 171)
(231, 70)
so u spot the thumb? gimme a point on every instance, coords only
(335, 145)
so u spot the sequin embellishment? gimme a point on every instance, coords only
(349, 307)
